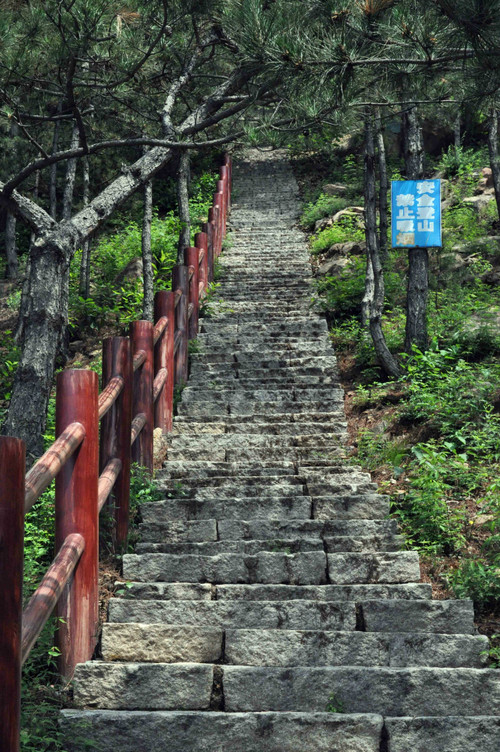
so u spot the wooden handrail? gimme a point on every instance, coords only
(159, 328)
(139, 374)
(45, 470)
(109, 395)
(107, 480)
(47, 594)
(138, 359)
(138, 424)
(158, 383)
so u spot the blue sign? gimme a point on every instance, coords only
(416, 213)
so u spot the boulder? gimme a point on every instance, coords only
(351, 211)
(334, 189)
(478, 203)
(333, 266)
(133, 270)
(349, 248)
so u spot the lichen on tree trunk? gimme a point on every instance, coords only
(493, 151)
(147, 257)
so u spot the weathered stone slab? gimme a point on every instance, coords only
(450, 734)
(243, 508)
(246, 647)
(295, 569)
(237, 614)
(220, 732)
(159, 643)
(413, 591)
(143, 686)
(447, 617)
(403, 566)
(388, 691)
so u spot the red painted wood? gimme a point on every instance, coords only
(224, 175)
(45, 470)
(115, 430)
(142, 399)
(201, 242)
(208, 229)
(107, 480)
(222, 189)
(159, 328)
(228, 162)
(191, 260)
(164, 305)
(180, 282)
(218, 209)
(45, 597)
(76, 512)
(12, 470)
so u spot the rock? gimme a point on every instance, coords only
(322, 224)
(133, 270)
(333, 267)
(478, 203)
(334, 189)
(351, 211)
(350, 248)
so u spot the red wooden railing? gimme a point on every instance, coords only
(138, 375)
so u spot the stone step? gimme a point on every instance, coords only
(143, 686)
(318, 593)
(274, 508)
(285, 529)
(350, 506)
(156, 731)
(324, 427)
(446, 617)
(354, 689)
(247, 547)
(390, 567)
(163, 643)
(267, 647)
(445, 734)
(266, 567)
(237, 614)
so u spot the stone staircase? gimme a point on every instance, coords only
(271, 605)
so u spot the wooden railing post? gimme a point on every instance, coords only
(208, 229)
(218, 208)
(141, 333)
(115, 430)
(180, 282)
(164, 358)
(201, 242)
(228, 162)
(191, 256)
(76, 512)
(12, 471)
(222, 189)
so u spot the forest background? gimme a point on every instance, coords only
(112, 118)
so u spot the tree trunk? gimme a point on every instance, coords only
(84, 287)
(413, 144)
(418, 268)
(383, 187)
(69, 186)
(45, 318)
(457, 131)
(384, 356)
(369, 293)
(493, 149)
(53, 172)
(147, 256)
(12, 269)
(183, 202)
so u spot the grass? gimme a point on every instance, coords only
(432, 439)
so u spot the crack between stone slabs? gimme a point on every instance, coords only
(217, 700)
(360, 618)
(384, 739)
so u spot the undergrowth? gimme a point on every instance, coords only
(432, 438)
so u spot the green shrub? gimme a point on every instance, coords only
(346, 229)
(324, 206)
(478, 580)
